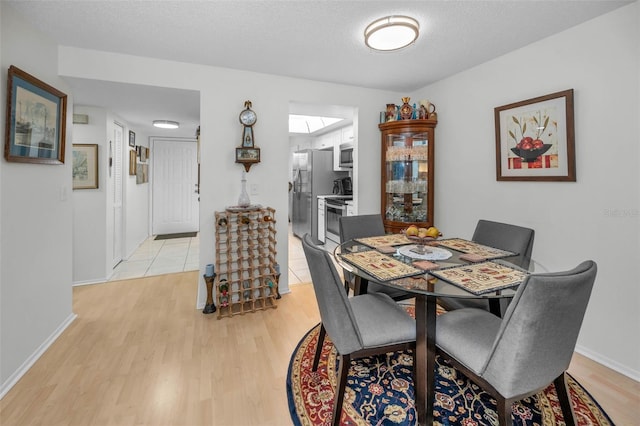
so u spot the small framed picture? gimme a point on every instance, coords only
(142, 173)
(247, 157)
(132, 139)
(85, 166)
(248, 154)
(132, 162)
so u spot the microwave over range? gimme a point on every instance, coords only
(346, 155)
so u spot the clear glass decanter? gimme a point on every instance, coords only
(243, 200)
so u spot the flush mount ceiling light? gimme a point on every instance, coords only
(391, 33)
(166, 124)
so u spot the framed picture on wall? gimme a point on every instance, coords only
(535, 139)
(132, 162)
(35, 121)
(85, 166)
(142, 173)
(132, 139)
(247, 157)
(139, 177)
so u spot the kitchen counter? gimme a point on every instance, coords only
(335, 196)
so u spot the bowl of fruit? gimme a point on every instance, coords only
(422, 236)
(530, 149)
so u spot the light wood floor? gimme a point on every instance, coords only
(139, 353)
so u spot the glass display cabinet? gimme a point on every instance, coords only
(407, 173)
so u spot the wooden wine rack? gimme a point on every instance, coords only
(246, 279)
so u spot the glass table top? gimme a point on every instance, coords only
(410, 260)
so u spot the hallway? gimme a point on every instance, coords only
(158, 257)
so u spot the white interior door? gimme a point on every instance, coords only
(118, 222)
(175, 179)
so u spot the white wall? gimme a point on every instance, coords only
(596, 217)
(90, 205)
(93, 208)
(137, 201)
(35, 220)
(222, 96)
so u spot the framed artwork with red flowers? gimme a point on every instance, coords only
(535, 139)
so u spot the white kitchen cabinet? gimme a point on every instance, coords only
(332, 141)
(351, 209)
(326, 141)
(321, 220)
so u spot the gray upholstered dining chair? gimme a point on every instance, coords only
(359, 326)
(368, 225)
(530, 348)
(513, 238)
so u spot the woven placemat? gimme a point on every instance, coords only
(471, 247)
(384, 240)
(380, 266)
(481, 278)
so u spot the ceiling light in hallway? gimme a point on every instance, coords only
(166, 124)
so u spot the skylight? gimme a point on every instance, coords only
(309, 124)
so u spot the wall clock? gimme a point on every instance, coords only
(248, 118)
(247, 154)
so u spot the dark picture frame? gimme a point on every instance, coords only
(535, 139)
(247, 157)
(132, 139)
(36, 120)
(85, 166)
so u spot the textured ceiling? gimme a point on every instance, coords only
(312, 39)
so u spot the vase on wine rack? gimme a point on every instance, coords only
(243, 200)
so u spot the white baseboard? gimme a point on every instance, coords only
(22, 370)
(89, 282)
(607, 362)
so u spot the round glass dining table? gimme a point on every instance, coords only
(427, 289)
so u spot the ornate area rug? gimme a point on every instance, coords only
(379, 391)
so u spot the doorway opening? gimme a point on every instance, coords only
(313, 169)
(134, 107)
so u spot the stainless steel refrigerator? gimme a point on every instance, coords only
(313, 175)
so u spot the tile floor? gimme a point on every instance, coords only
(298, 269)
(157, 257)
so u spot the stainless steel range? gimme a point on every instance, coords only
(335, 207)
